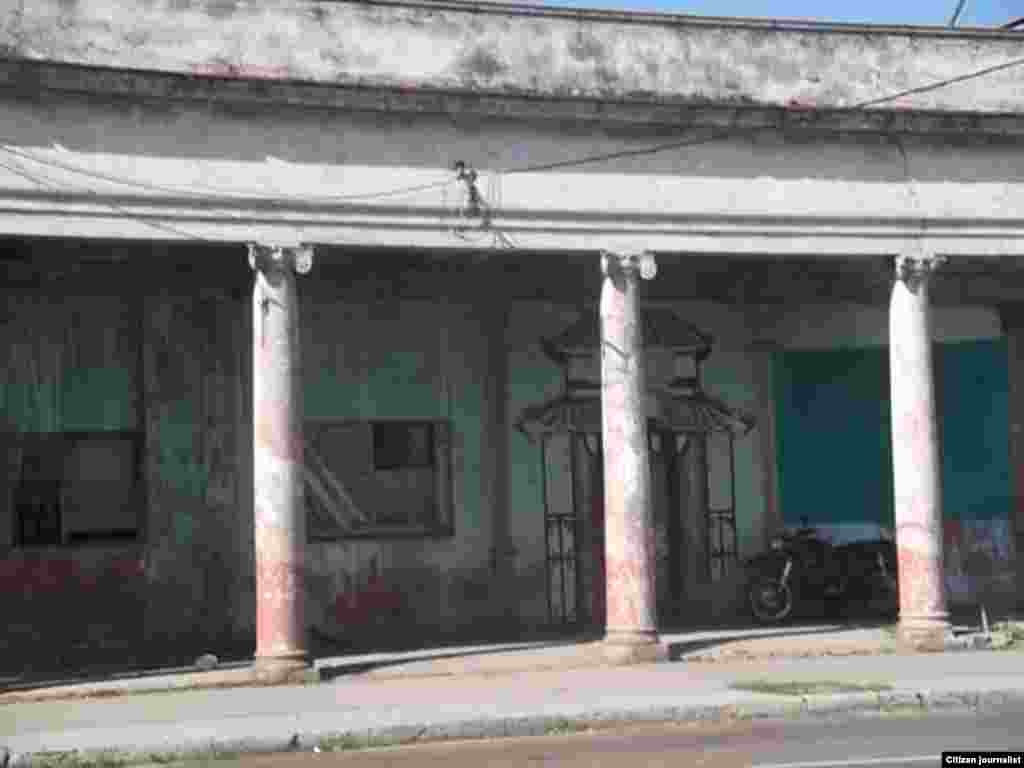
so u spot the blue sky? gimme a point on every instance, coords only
(930, 12)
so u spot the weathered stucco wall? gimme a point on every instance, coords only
(366, 355)
(832, 376)
(177, 368)
(518, 50)
(728, 374)
(168, 367)
(105, 168)
(825, 326)
(199, 544)
(401, 360)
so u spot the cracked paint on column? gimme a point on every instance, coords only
(915, 450)
(280, 526)
(629, 531)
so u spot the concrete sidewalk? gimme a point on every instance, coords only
(362, 708)
(710, 645)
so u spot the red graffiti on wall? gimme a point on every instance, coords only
(373, 600)
(38, 575)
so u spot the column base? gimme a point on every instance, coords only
(927, 634)
(296, 667)
(624, 648)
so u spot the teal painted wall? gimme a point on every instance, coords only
(68, 363)
(402, 360)
(834, 447)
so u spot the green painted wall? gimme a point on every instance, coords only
(834, 446)
(401, 360)
(68, 364)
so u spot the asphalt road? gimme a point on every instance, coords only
(892, 741)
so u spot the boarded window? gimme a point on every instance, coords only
(78, 487)
(70, 418)
(402, 445)
(375, 478)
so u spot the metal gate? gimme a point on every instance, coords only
(562, 535)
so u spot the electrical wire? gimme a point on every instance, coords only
(961, 4)
(195, 191)
(940, 84)
(192, 190)
(572, 162)
(604, 157)
(167, 228)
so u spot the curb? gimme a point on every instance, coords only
(760, 707)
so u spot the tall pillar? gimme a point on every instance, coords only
(279, 514)
(631, 633)
(924, 619)
(762, 352)
(1012, 317)
(495, 459)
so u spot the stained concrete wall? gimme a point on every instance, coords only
(228, 170)
(402, 360)
(970, 369)
(519, 50)
(728, 374)
(178, 370)
(829, 326)
(365, 356)
(170, 370)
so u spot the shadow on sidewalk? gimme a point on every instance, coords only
(712, 638)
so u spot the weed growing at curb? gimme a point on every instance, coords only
(113, 759)
(902, 710)
(79, 760)
(566, 726)
(1015, 634)
(797, 688)
(343, 743)
(350, 742)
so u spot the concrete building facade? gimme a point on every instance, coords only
(456, 172)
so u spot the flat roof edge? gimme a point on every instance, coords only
(685, 19)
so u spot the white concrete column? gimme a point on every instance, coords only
(924, 619)
(631, 628)
(279, 514)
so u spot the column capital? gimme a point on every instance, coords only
(265, 257)
(629, 265)
(765, 344)
(1011, 317)
(914, 268)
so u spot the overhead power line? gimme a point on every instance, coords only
(677, 144)
(941, 83)
(19, 171)
(960, 6)
(197, 190)
(204, 192)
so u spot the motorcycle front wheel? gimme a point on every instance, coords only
(770, 600)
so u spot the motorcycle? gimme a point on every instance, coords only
(801, 567)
